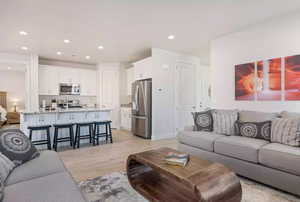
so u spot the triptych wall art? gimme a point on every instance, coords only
(264, 80)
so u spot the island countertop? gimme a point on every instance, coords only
(70, 110)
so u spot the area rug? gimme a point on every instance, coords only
(116, 188)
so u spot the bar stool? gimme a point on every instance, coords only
(57, 139)
(107, 134)
(46, 141)
(79, 136)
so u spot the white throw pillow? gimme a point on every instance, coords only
(224, 120)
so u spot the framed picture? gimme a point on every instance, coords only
(292, 77)
(268, 80)
(245, 81)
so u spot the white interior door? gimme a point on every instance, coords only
(185, 93)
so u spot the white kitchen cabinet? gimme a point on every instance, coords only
(51, 76)
(126, 118)
(69, 75)
(130, 79)
(88, 82)
(48, 80)
(143, 69)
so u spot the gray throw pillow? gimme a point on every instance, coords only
(286, 131)
(224, 120)
(16, 146)
(203, 121)
(259, 130)
(6, 166)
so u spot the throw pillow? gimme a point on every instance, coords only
(6, 166)
(16, 146)
(203, 121)
(224, 120)
(286, 131)
(259, 130)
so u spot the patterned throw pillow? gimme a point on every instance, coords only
(203, 121)
(259, 130)
(224, 120)
(6, 166)
(286, 131)
(16, 146)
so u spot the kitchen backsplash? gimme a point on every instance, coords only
(89, 101)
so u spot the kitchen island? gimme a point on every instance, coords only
(62, 116)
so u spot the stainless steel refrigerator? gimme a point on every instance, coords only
(142, 108)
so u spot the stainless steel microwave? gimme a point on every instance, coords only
(69, 89)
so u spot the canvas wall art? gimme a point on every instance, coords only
(268, 80)
(245, 81)
(292, 77)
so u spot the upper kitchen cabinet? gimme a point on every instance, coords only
(130, 79)
(48, 80)
(88, 82)
(143, 69)
(69, 75)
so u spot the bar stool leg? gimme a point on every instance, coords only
(30, 135)
(71, 136)
(106, 133)
(110, 133)
(94, 135)
(78, 137)
(48, 139)
(98, 131)
(90, 132)
(55, 139)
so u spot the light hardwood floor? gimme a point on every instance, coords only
(94, 161)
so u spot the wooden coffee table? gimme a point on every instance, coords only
(200, 180)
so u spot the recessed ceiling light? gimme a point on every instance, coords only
(100, 47)
(87, 57)
(23, 33)
(24, 48)
(67, 41)
(58, 53)
(171, 37)
(9, 68)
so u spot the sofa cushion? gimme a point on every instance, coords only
(16, 146)
(58, 187)
(203, 121)
(239, 147)
(47, 163)
(200, 139)
(223, 121)
(256, 116)
(281, 157)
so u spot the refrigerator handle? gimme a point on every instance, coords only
(135, 105)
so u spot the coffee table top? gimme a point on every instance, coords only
(210, 180)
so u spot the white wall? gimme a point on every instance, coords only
(13, 82)
(276, 38)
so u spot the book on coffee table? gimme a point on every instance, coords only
(177, 159)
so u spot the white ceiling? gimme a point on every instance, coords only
(127, 28)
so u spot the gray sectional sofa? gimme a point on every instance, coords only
(273, 164)
(44, 178)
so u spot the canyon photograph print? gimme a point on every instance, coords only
(268, 81)
(292, 77)
(245, 81)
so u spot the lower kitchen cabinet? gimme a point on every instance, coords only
(126, 118)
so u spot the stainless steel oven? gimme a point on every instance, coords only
(69, 89)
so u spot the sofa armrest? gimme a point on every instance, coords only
(189, 128)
